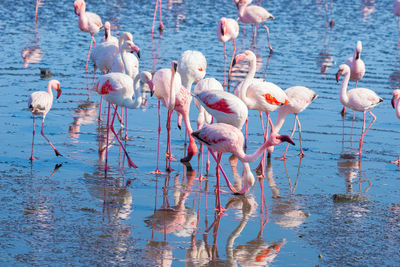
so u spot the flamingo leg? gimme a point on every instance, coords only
(201, 177)
(130, 162)
(269, 44)
(208, 162)
(260, 167)
(33, 137)
(157, 171)
(363, 134)
(219, 208)
(230, 65)
(90, 47)
(48, 141)
(291, 135)
(169, 169)
(301, 154)
(161, 28)
(245, 134)
(223, 173)
(36, 10)
(108, 134)
(154, 17)
(225, 83)
(126, 125)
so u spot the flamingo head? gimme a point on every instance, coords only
(276, 139)
(146, 78)
(131, 47)
(247, 56)
(54, 84)
(396, 97)
(222, 26)
(191, 151)
(358, 49)
(78, 6)
(343, 69)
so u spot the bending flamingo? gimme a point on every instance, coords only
(88, 22)
(40, 103)
(253, 14)
(300, 98)
(259, 95)
(228, 29)
(357, 67)
(118, 89)
(168, 89)
(222, 137)
(396, 106)
(358, 99)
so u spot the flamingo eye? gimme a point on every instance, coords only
(200, 69)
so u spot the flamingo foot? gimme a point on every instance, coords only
(172, 157)
(202, 178)
(220, 211)
(31, 158)
(157, 171)
(99, 119)
(130, 162)
(284, 158)
(169, 169)
(127, 138)
(57, 153)
(221, 191)
(301, 155)
(260, 170)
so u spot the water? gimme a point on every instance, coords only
(326, 209)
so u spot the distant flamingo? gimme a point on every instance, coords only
(40, 103)
(161, 27)
(228, 29)
(259, 95)
(300, 98)
(88, 22)
(396, 106)
(253, 14)
(118, 89)
(358, 99)
(396, 10)
(357, 67)
(222, 137)
(168, 89)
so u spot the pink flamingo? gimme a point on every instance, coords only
(300, 98)
(39, 3)
(358, 99)
(396, 10)
(253, 14)
(357, 68)
(40, 103)
(119, 89)
(259, 95)
(228, 29)
(168, 89)
(222, 137)
(161, 27)
(396, 106)
(88, 22)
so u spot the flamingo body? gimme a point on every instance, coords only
(228, 29)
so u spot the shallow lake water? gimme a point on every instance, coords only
(329, 208)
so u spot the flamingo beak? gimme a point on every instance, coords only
(338, 76)
(151, 86)
(58, 92)
(175, 65)
(76, 11)
(393, 101)
(357, 55)
(135, 49)
(233, 62)
(286, 138)
(222, 29)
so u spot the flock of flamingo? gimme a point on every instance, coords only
(222, 114)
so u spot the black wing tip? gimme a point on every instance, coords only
(196, 135)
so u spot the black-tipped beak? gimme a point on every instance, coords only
(357, 55)
(222, 29)
(175, 65)
(233, 62)
(179, 127)
(337, 76)
(59, 92)
(76, 11)
(138, 53)
(393, 101)
(286, 138)
(151, 86)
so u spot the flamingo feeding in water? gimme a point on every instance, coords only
(222, 137)
(396, 106)
(300, 98)
(168, 89)
(358, 99)
(253, 14)
(88, 22)
(40, 103)
(259, 95)
(228, 30)
(357, 67)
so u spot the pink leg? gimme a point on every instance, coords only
(219, 208)
(245, 134)
(363, 134)
(33, 137)
(260, 168)
(169, 169)
(269, 45)
(161, 28)
(225, 83)
(230, 65)
(223, 173)
(90, 47)
(301, 154)
(154, 17)
(126, 125)
(157, 171)
(201, 177)
(291, 135)
(101, 103)
(130, 162)
(108, 134)
(208, 162)
(55, 150)
(36, 10)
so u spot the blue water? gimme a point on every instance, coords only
(64, 210)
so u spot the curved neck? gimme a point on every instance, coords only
(187, 83)
(241, 10)
(280, 120)
(252, 157)
(247, 81)
(171, 103)
(49, 90)
(133, 104)
(343, 89)
(127, 71)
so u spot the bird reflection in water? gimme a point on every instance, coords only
(285, 211)
(325, 58)
(367, 7)
(32, 53)
(84, 114)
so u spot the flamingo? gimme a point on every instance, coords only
(357, 68)
(253, 14)
(222, 137)
(396, 10)
(88, 22)
(118, 89)
(300, 98)
(168, 89)
(228, 29)
(259, 95)
(396, 106)
(161, 27)
(358, 99)
(40, 103)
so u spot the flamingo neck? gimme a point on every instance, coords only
(49, 90)
(127, 70)
(247, 82)
(171, 103)
(134, 104)
(241, 11)
(252, 157)
(280, 119)
(344, 99)
(187, 83)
